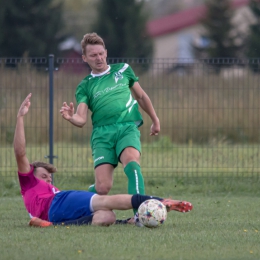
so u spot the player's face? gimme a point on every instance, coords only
(96, 57)
(43, 174)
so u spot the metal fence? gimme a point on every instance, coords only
(208, 109)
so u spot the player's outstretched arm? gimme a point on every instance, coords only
(19, 137)
(78, 119)
(146, 104)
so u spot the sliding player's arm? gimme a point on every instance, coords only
(19, 137)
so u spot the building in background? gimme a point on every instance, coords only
(174, 34)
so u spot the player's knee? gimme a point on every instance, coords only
(104, 218)
(103, 189)
(134, 157)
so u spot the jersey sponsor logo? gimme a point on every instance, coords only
(99, 93)
(99, 158)
(55, 191)
(118, 76)
(107, 90)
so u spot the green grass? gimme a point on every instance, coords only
(219, 227)
(221, 181)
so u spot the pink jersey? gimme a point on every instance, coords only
(37, 194)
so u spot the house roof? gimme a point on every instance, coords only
(177, 21)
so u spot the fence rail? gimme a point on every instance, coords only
(208, 109)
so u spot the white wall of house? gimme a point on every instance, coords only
(172, 45)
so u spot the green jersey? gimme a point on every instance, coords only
(108, 96)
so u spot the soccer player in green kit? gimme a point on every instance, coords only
(112, 93)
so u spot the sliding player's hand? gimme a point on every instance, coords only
(24, 108)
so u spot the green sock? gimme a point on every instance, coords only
(135, 179)
(92, 188)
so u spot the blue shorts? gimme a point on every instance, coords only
(71, 205)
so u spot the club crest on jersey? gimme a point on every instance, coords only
(118, 75)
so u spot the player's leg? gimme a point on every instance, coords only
(104, 157)
(126, 201)
(103, 218)
(130, 160)
(128, 149)
(103, 179)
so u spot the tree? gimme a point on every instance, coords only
(253, 43)
(122, 25)
(29, 27)
(223, 40)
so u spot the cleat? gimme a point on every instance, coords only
(132, 221)
(122, 221)
(37, 222)
(177, 205)
(137, 221)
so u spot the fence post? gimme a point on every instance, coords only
(51, 69)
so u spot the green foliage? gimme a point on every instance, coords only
(253, 50)
(219, 30)
(29, 27)
(122, 25)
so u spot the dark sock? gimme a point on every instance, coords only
(138, 199)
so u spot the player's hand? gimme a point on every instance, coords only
(24, 108)
(67, 111)
(155, 128)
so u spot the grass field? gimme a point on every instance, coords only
(221, 226)
(222, 181)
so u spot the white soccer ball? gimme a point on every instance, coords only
(152, 213)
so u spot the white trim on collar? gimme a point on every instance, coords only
(101, 74)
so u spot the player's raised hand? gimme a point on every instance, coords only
(24, 108)
(155, 128)
(67, 111)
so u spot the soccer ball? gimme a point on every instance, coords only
(152, 213)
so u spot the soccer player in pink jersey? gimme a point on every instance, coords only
(47, 205)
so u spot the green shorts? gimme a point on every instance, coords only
(108, 142)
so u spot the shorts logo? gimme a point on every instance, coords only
(99, 158)
(118, 75)
(55, 191)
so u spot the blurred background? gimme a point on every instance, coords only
(197, 60)
(132, 28)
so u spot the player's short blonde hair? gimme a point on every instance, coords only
(91, 38)
(47, 166)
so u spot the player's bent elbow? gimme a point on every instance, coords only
(78, 123)
(82, 124)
